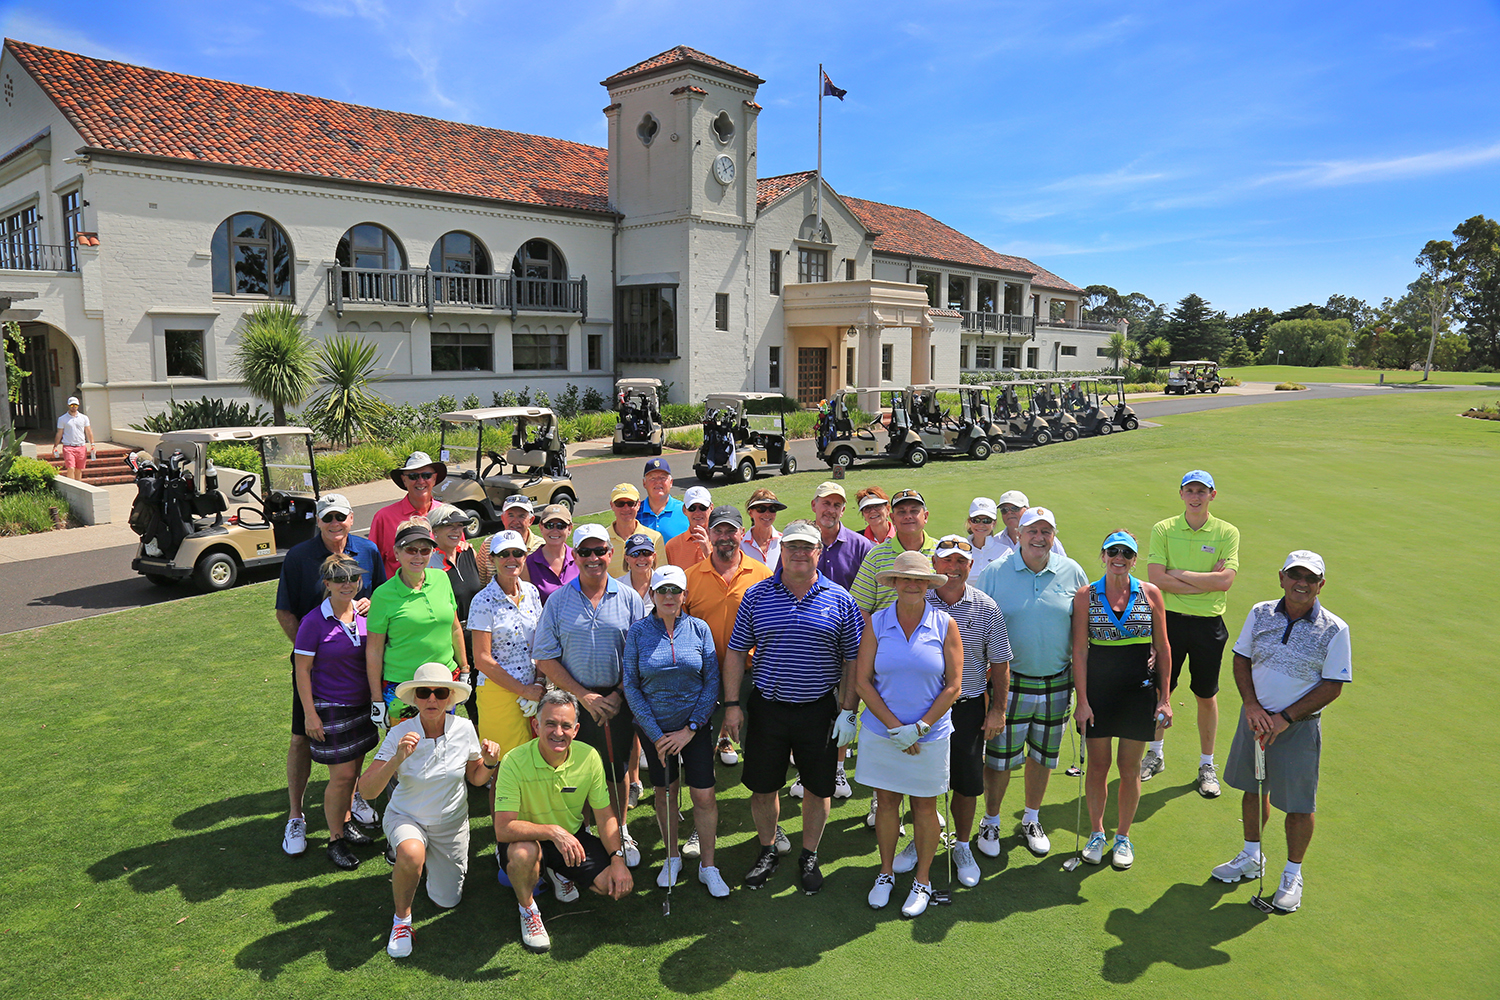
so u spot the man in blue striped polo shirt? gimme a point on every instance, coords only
(805, 630)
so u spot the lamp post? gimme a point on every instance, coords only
(1278, 356)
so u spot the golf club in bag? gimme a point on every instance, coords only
(944, 897)
(1077, 858)
(1259, 900)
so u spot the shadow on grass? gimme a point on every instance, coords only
(1200, 919)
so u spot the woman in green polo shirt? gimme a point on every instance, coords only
(413, 620)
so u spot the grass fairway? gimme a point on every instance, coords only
(1357, 376)
(146, 793)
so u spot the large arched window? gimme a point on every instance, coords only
(541, 274)
(251, 256)
(371, 250)
(455, 258)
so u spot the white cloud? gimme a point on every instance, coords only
(1336, 173)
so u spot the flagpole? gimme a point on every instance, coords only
(818, 231)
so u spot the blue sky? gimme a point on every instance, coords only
(1257, 154)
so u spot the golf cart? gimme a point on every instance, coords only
(942, 433)
(737, 444)
(1109, 397)
(1081, 400)
(841, 444)
(1018, 423)
(1193, 376)
(537, 459)
(1044, 398)
(639, 425)
(184, 518)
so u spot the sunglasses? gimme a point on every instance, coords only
(1302, 575)
(439, 693)
(417, 550)
(763, 510)
(697, 508)
(343, 579)
(419, 475)
(957, 543)
(335, 515)
(591, 553)
(1119, 552)
(555, 525)
(512, 553)
(669, 588)
(981, 520)
(626, 503)
(1006, 508)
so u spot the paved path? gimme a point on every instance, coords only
(65, 575)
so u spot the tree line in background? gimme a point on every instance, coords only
(1456, 296)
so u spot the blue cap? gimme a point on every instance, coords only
(1198, 476)
(654, 464)
(639, 544)
(1120, 538)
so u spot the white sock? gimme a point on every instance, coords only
(1294, 868)
(1156, 746)
(533, 908)
(1205, 758)
(1252, 848)
(402, 920)
(990, 820)
(1030, 816)
(840, 768)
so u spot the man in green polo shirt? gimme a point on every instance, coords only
(1193, 559)
(540, 792)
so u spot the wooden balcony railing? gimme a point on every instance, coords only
(1000, 324)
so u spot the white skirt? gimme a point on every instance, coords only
(881, 765)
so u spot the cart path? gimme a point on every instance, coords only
(83, 572)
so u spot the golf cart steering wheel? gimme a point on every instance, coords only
(245, 485)
(494, 460)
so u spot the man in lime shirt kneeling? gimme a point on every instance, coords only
(540, 792)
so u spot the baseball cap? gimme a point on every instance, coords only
(518, 500)
(1035, 514)
(625, 490)
(557, 511)
(726, 514)
(829, 489)
(73, 401)
(584, 532)
(655, 465)
(902, 495)
(1198, 476)
(669, 575)
(639, 544)
(949, 545)
(801, 531)
(502, 540)
(984, 506)
(334, 502)
(1301, 557)
(1013, 497)
(697, 495)
(445, 513)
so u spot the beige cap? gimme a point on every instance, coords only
(625, 490)
(830, 489)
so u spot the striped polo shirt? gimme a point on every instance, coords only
(982, 628)
(800, 645)
(870, 595)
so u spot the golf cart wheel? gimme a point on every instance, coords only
(703, 473)
(1214, 387)
(656, 449)
(1131, 423)
(616, 449)
(744, 472)
(564, 499)
(916, 457)
(1106, 427)
(161, 580)
(217, 571)
(1042, 436)
(474, 526)
(788, 466)
(998, 446)
(1070, 434)
(979, 450)
(843, 458)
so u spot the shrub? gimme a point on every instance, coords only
(566, 403)
(775, 404)
(28, 475)
(471, 402)
(1230, 381)
(1289, 386)
(506, 398)
(234, 455)
(590, 427)
(593, 400)
(681, 414)
(685, 438)
(203, 412)
(363, 463)
(27, 513)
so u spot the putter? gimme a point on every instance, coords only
(1077, 858)
(944, 897)
(1259, 900)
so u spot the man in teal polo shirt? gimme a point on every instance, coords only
(1193, 558)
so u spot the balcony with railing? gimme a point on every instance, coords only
(433, 291)
(1081, 324)
(37, 257)
(998, 324)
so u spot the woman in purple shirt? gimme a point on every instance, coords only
(331, 681)
(552, 565)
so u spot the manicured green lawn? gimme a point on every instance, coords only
(1360, 376)
(145, 778)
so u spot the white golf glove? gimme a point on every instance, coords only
(378, 714)
(528, 707)
(903, 736)
(845, 728)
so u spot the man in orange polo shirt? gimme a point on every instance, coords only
(692, 546)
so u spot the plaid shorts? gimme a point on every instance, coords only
(1034, 722)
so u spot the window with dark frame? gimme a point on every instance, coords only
(773, 368)
(984, 296)
(812, 265)
(929, 281)
(367, 248)
(456, 259)
(251, 256)
(721, 311)
(958, 293)
(849, 269)
(848, 366)
(463, 352)
(21, 239)
(539, 352)
(1010, 357)
(1069, 351)
(963, 355)
(775, 272)
(1101, 352)
(887, 355)
(72, 212)
(984, 356)
(596, 352)
(646, 323)
(542, 275)
(1031, 356)
(185, 354)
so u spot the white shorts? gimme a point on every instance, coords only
(447, 847)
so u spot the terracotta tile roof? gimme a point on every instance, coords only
(769, 189)
(131, 109)
(688, 90)
(680, 55)
(910, 233)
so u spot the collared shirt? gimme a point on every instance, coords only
(716, 600)
(383, 530)
(1006, 545)
(671, 522)
(981, 626)
(910, 671)
(770, 555)
(684, 550)
(1177, 546)
(417, 624)
(871, 595)
(1291, 656)
(890, 531)
(539, 571)
(301, 586)
(511, 627)
(843, 556)
(537, 792)
(1038, 610)
(338, 652)
(617, 553)
(670, 680)
(993, 549)
(589, 641)
(800, 645)
(431, 790)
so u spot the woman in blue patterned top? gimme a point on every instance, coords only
(672, 685)
(1118, 623)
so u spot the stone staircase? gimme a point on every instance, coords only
(109, 469)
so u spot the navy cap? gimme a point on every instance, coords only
(654, 464)
(639, 544)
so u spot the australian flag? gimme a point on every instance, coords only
(829, 90)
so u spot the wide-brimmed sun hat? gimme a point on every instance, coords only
(415, 462)
(433, 675)
(913, 565)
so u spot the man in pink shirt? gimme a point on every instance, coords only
(418, 477)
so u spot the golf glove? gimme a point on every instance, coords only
(844, 728)
(378, 714)
(528, 707)
(903, 736)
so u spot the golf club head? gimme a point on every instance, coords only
(1070, 864)
(1261, 905)
(942, 897)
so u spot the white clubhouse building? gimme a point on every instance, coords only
(142, 213)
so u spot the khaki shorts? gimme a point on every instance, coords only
(447, 852)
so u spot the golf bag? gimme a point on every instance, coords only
(162, 507)
(718, 440)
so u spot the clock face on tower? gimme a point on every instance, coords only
(723, 169)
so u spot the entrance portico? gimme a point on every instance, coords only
(827, 320)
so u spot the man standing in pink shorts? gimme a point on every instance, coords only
(76, 440)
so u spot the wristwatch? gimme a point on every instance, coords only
(923, 728)
(1288, 718)
(692, 727)
(731, 704)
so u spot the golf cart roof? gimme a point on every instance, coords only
(1184, 364)
(495, 413)
(740, 397)
(942, 386)
(205, 435)
(638, 383)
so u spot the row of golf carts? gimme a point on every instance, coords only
(925, 420)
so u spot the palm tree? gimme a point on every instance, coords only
(348, 407)
(1158, 350)
(1120, 348)
(276, 360)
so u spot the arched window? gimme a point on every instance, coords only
(455, 258)
(542, 276)
(369, 250)
(251, 256)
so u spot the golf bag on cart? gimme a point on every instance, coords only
(160, 513)
(718, 439)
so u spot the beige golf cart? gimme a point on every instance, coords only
(639, 425)
(1193, 376)
(482, 476)
(737, 444)
(191, 527)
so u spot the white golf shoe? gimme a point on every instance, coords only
(1093, 851)
(399, 944)
(907, 859)
(1288, 895)
(1242, 866)
(966, 866)
(1122, 855)
(880, 896)
(917, 900)
(988, 840)
(841, 786)
(534, 936)
(1036, 839)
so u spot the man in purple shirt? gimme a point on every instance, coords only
(843, 550)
